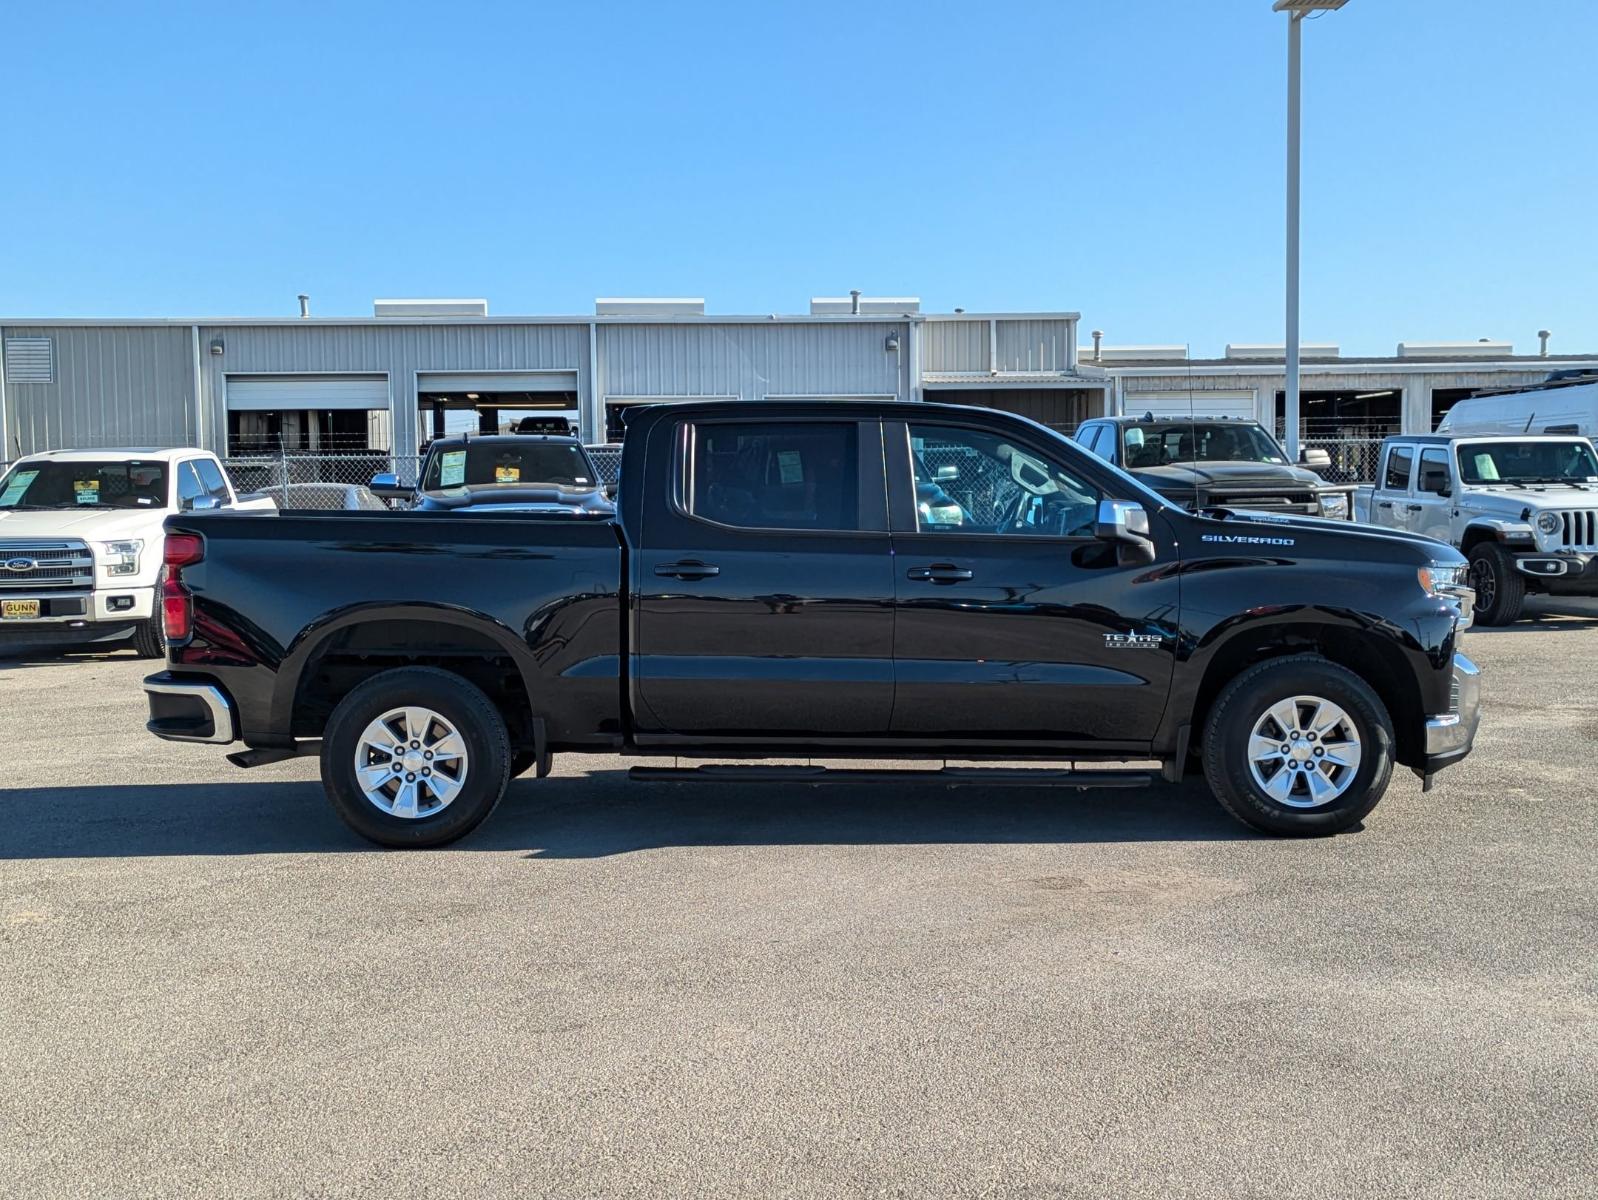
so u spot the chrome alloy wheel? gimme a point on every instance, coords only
(1304, 752)
(411, 762)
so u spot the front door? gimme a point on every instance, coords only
(1015, 623)
(1429, 507)
(765, 595)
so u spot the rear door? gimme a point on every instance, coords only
(1015, 623)
(1390, 506)
(764, 585)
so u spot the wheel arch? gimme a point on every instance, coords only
(1380, 661)
(341, 650)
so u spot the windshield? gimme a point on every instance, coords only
(1160, 443)
(559, 463)
(1527, 462)
(78, 485)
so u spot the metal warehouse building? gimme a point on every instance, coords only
(385, 384)
(368, 390)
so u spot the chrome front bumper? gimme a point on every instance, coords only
(185, 710)
(1449, 735)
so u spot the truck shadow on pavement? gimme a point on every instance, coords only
(600, 815)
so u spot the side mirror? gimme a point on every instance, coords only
(946, 472)
(1126, 523)
(1315, 458)
(387, 485)
(202, 504)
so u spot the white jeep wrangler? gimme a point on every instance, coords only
(1523, 509)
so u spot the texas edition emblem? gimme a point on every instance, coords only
(1132, 641)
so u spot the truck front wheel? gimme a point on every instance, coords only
(1500, 589)
(415, 757)
(1298, 746)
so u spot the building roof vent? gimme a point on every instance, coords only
(1484, 348)
(429, 308)
(29, 360)
(650, 306)
(877, 306)
(1259, 352)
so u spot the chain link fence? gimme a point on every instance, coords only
(1353, 460)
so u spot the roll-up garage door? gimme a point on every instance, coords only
(1195, 403)
(496, 381)
(278, 393)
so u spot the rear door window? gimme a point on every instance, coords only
(1399, 461)
(764, 475)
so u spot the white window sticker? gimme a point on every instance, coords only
(452, 471)
(791, 466)
(19, 484)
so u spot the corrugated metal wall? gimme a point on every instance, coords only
(1059, 408)
(754, 361)
(1039, 345)
(399, 351)
(127, 385)
(953, 346)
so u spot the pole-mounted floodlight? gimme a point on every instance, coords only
(1297, 10)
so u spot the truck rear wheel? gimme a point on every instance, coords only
(1298, 746)
(1500, 589)
(415, 757)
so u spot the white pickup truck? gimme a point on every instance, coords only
(1523, 509)
(81, 541)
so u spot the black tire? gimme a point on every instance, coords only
(149, 637)
(1500, 589)
(462, 705)
(1247, 698)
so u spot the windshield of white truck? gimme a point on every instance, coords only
(84, 485)
(1163, 443)
(557, 463)
(1527, 462)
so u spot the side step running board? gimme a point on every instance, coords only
(947, 776)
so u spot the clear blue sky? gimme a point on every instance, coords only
(1123, 158)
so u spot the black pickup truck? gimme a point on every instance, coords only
(823, 579)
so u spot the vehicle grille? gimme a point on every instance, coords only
(62, 564)
(1580, 529)
(1297, 502)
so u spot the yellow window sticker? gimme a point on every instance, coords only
(504, 474)
(87, 490)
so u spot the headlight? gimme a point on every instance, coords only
(121, 558)
(1549, 523)
(1335, 505)
(1451, 583)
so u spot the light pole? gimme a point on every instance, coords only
(1296, 11)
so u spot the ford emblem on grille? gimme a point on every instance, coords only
(20, 564)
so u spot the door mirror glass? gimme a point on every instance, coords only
(203, 504)
(386, 484)
(1315, 458)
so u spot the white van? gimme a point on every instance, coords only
(1567, 406)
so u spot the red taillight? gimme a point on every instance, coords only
(177, 607)
(183, 549)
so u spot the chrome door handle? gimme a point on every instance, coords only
(687, 569)
(939, 573)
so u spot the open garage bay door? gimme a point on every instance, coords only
(326, 393)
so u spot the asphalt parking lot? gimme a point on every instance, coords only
(211, 988)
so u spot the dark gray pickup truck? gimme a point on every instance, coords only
(832, 580)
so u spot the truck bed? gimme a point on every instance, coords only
(535, 599)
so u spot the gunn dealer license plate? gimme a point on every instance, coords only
(18, 610)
